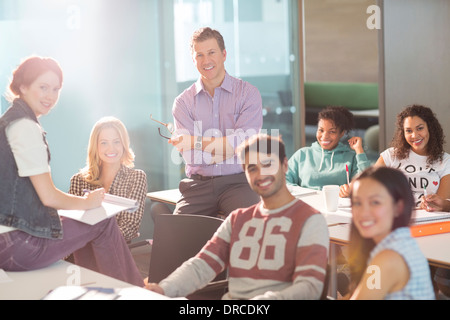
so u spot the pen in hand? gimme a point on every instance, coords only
(348, 178)
(425, 194)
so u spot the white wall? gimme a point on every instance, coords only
(415, 47)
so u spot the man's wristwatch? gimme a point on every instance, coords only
(198, 143)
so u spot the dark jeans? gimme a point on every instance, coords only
(217, 195)
(100, 247)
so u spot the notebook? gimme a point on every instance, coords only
(423, 216)
(111, 206)
(298, 191)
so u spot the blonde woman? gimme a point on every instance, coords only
(110, 165)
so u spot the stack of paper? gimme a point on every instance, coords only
(424, 223)
(298, 191)
(98, 293)
(111, 206)
(423, 216)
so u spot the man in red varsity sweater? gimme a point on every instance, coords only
(276, 249)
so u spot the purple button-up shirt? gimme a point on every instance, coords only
(235, 111)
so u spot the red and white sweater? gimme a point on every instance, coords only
(270, 254)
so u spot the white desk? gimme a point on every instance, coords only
(314, 199)
(342, 216)
(433, 247)
(165, 196)
(36, 284)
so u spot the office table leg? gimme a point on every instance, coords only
(332, 286)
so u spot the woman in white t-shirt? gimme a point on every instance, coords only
(417, 149)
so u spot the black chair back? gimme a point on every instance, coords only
(177, 238)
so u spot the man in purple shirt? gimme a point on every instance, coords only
(212, 118)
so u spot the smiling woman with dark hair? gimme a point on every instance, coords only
(326, 160)
(417, 149)
(434, 148)
(381, 247)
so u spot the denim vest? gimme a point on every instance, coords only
(20, 206)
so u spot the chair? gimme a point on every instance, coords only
(177, 238)
(141, 252)
(371, 138)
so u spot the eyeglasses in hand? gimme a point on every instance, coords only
(169, 127)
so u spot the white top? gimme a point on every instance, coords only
(420, 174)
(28, 147)
(30, 152)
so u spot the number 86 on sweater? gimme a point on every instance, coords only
(247, 252)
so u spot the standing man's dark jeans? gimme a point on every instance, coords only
(213, 195)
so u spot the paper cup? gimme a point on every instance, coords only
(331, 197)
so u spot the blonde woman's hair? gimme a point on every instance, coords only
(91, 172)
